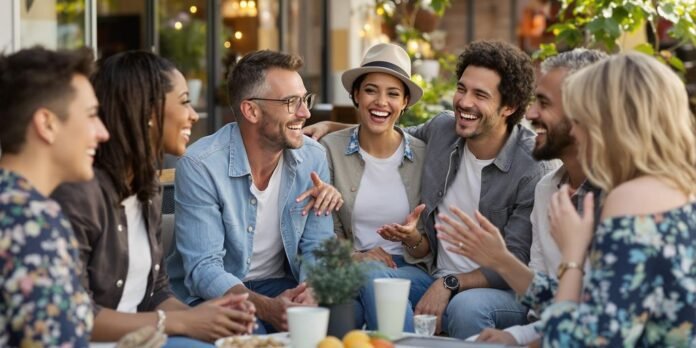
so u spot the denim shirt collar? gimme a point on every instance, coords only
(239, 161)
(354, 143)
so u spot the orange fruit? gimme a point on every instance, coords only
(330, 342)
(356, 339)
(361, 344)
(381, 343)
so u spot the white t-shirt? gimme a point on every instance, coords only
(268, 251)
(464, 193)
(139, 257)
(381, 199)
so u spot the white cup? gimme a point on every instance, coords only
(307, 325)
(391, 297)
(425, 324)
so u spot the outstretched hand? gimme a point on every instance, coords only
(325, 197)
(407, 232)
(480, 241)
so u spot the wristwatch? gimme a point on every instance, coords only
(451, 283)
(564, 266)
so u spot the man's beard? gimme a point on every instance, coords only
(557, 140)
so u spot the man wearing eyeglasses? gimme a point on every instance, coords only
(243, 196)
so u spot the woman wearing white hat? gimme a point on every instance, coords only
(377, 168)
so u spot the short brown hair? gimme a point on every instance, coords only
(514, 68)
(36, 78)
(247, 76)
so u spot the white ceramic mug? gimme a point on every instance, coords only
(307, 325)
(391, 298)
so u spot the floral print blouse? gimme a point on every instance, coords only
(641, 290)
(43, 303)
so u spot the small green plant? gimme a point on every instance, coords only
(335, 277)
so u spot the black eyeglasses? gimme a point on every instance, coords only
(293, 102)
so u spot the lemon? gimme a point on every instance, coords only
(362, 344)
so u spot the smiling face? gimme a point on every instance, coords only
(278, 129)
(381, 98)
(477, 103)
(548, 118)
(179, 116)
(79, 135)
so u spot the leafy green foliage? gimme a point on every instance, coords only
(185, 45)
(437, 94)
(600, 23)
(335, 277)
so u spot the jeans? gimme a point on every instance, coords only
(420, 282)
(473, 310)
(185, 342)
(271, 288)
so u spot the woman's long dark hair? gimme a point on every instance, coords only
(131, 88)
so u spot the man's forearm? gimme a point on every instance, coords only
(172, 304)
(472, 280)
(337, 126)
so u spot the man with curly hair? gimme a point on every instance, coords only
(478, 158)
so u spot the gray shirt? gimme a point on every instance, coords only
(507, 184)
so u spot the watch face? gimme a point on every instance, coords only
(451, 282)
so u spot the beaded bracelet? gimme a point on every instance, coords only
(420, 241)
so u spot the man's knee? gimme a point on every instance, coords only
(472, 302)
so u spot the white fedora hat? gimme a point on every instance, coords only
(389, 59)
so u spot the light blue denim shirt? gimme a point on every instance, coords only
(216, 214)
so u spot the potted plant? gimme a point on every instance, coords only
(336, 279)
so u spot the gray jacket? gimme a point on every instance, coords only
(507, 184)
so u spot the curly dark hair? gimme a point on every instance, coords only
(514, 67)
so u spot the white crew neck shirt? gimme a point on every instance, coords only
(139, 257)
(381, 199)
(465, 194)
(267, 259)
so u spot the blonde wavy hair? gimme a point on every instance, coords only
(635, 112)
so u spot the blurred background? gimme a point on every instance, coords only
(202, 36)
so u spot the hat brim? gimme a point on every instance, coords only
(349, 76)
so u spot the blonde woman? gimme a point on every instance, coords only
(632, 123)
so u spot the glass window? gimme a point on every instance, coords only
(182, 28)
(54, 24)
(182, 39)
(304, 38)
(121, 26)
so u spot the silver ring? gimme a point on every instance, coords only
(460, 245)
